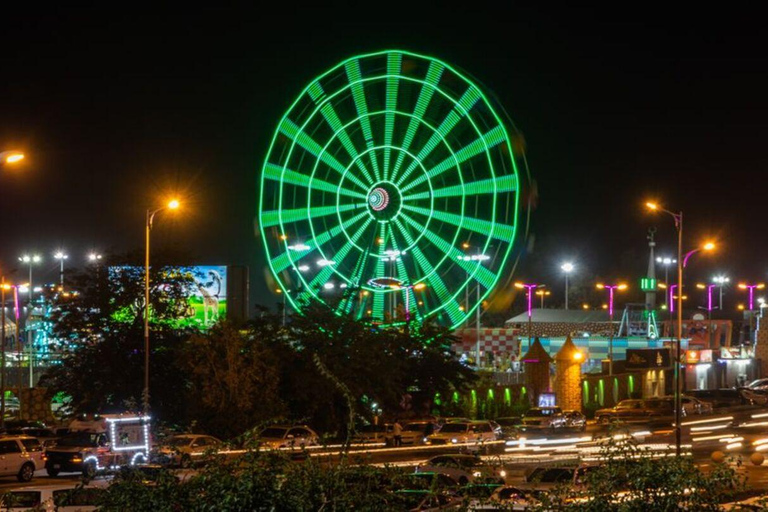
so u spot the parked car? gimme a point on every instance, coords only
(545, 478)
(543, 418)
(467, 432)
(180, 449)
(692, 405)
(62, 498)
(463, 468)
(758, 384)
(636, 410)
(372, 433)
(20, 456)
(722, 397)
(575, 420)
(414, 433)
(281, 436)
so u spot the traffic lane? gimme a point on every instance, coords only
(41, 478)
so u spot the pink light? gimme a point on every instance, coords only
(610, 289)
(751, 288)
(672, 298)
(529, 288)
(709, 296)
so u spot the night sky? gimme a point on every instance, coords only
(117, 109)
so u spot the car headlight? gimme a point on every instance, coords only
(454, 440)
(425, 440)
(502, 473)
(477, 474)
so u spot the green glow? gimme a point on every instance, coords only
(601, 392)
(585, 392)
(490, 393)
(450, 157)
(455, 397)
(631, 384)
(507, 397)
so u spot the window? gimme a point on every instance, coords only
(31, 445)
(9, 447)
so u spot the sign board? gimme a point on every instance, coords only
(647, 358)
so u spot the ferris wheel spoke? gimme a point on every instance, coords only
(394, 62)
(293, 132)
(491, 229)
(327, 271)
(506, 183)
(480, 145)
(317, 94)
(433, 278)
(459, 111)
(287, 176)
(284, 260)
(274, 217)
(358, 95)
(434, 73)
(483, 275)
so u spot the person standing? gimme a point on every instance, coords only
(397, 433)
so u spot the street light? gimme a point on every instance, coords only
(666, 262)
(529, 293)
(173, 204)
(567, 268)
(721, 282)
(479, 258)
(94, 257)
(11, 157)
(30, 260)
(542, 294)
(708, 287)
(751, 288)
(681, 261)
(611, 289)
(61, 256)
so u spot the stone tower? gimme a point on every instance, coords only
(568, 376)
(536, 370)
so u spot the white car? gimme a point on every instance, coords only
(692, 405)
(467, 432)
(180, 449)
(288, 437)
(20, 456)
(463, 468)
(543, 418)
(59, 498)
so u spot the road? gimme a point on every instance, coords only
(738, 433)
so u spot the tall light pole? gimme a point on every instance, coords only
(678, 218)
(611, 289)
(3, 288)
(708, 287)
(529, 288)
(721, 282)
(567, 268)
(172, 205)
(61, 256)
(666, 262)
(751, 290)
(479, 258)
(542, 294)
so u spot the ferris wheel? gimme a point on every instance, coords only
(389, 190)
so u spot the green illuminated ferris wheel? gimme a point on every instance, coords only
(389, 190)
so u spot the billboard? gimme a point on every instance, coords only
(205, 300)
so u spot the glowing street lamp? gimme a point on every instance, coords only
(11, 157)
(666, 262)
(611, 289)
(30, 260)
(61, 256)
(94, 257)
(173, 204)
(709, 246)
(567, 268)
(529, 288)
(542, 294)
(721, 282)
(751, 288)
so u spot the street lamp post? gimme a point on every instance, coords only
(61, 256)
(611, 289)
(529, 295)
(708, 287)
(721, 282)
(666, 262)
(542, 294)
(567, 268)
(681, 261)
(751, 290)
(3, 287)
(172, 205)
(479, 258)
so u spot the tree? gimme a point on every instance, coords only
(330, 360)
(234, 378)
(98, 331)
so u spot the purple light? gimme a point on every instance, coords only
(672, 298)
(709, 296)
(611, 289)
(751, 288)
(529, 288)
